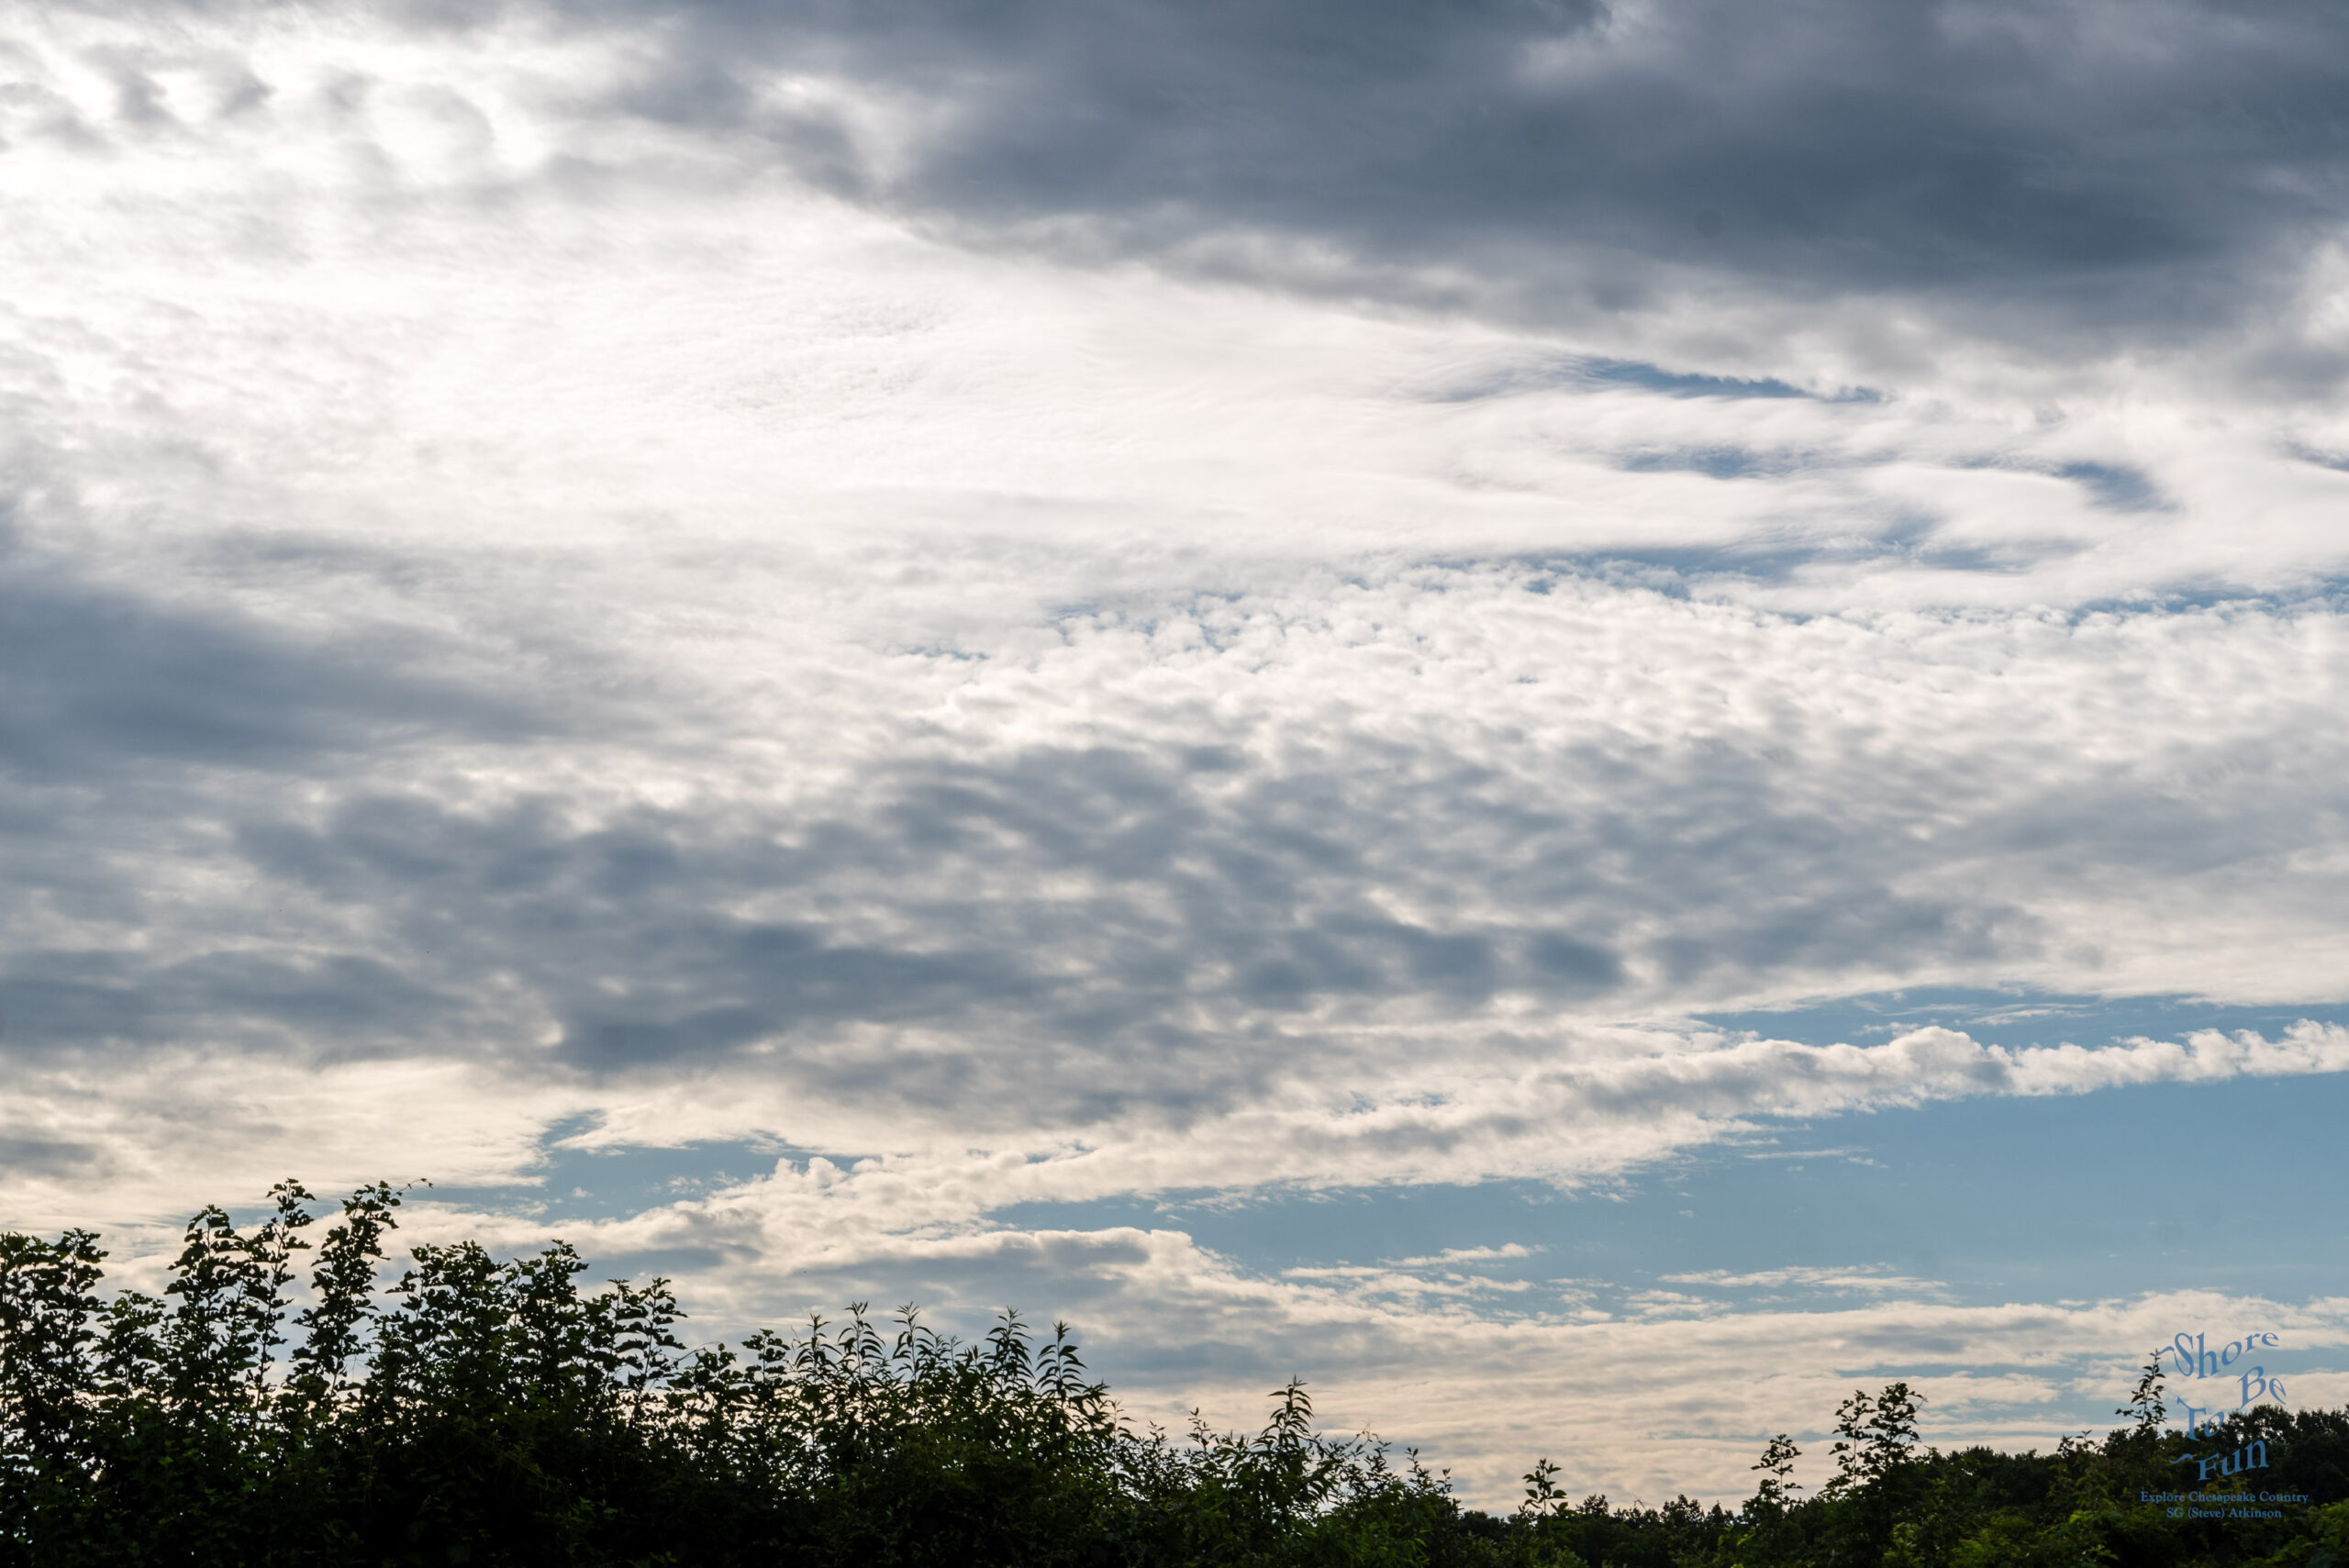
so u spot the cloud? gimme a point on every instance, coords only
(1873, 1281)
(104, 676)
(2083, 174)
(1232, 847)
(1803, 194)
(1467, 1255)
(293, 308)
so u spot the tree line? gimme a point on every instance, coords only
(473, 1411)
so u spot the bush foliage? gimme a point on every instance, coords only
(477, 1412)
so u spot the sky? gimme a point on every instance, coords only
(1589, 720)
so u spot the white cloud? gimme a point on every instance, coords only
(1465, 1255)
(1873, 1281)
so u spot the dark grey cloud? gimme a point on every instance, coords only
(2129, 169)
(97, 678)
(57, 997)
(48, 1156)
(1094, 928)
(138, 723)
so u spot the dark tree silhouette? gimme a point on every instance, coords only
(465, 1410)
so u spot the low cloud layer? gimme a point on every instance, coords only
(1219, 844)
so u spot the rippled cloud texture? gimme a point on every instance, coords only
(995, 610)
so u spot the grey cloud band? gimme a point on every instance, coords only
(1172, 914)
(2118, 169)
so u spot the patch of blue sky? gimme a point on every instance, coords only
(1683, 572)
(2320, 592)
(2319, 456)
(2109, 487)
(576, 1179)
(1547, 374)
(1713, 463)
(2241, 1185)
(2115, 488)
(1683, 384)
